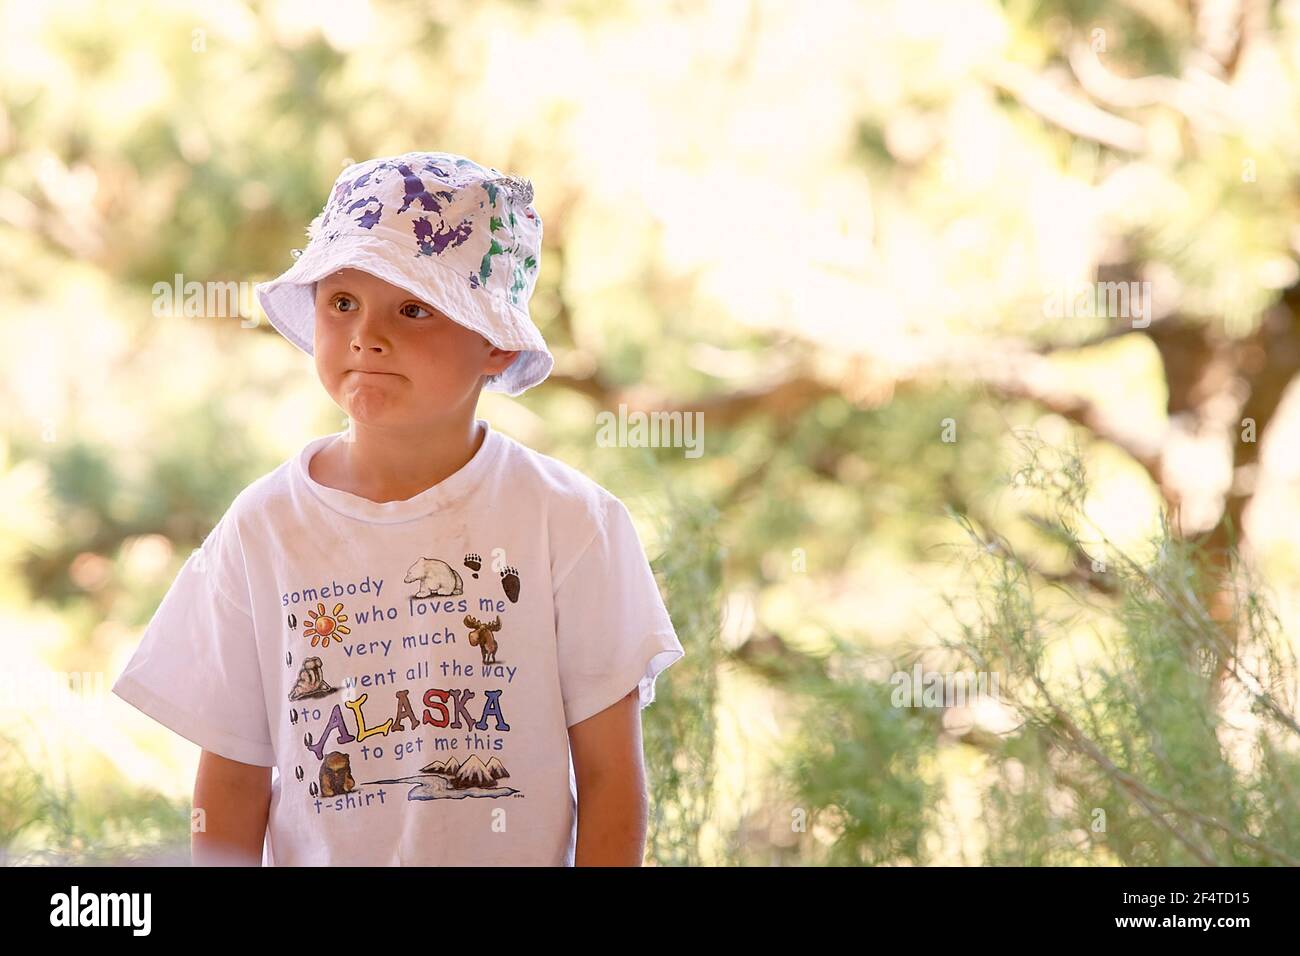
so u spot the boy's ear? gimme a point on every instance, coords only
(495, 376)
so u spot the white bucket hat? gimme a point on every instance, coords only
(462, 237)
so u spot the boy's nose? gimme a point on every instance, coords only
(365, 343)
(369, 335)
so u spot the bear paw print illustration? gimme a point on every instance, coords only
(474, 563)
(510, 583)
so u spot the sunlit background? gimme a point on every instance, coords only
(874, 245)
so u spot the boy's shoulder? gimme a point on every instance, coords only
(577, 506)
(266, 489)
(260, 500)
(557, 479)
(579, 511)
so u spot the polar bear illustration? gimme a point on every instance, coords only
(437, 578)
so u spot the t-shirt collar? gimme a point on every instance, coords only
(450, 489)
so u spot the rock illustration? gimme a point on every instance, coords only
(311, 681)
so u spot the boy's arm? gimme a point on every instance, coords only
(235, 799)
(610, 774)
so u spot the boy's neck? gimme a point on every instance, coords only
(392, 464)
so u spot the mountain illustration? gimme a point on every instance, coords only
(472, 773)
(441, 780)
(448, 766)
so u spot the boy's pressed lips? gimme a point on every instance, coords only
(370, 371)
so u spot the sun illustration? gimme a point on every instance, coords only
(324, 626)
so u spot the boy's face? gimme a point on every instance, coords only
(387, 358)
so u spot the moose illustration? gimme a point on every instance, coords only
(481, 636)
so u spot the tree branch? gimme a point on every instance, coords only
(1068, 111)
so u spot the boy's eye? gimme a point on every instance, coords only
(412, 310)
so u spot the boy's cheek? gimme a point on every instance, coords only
(326, 368)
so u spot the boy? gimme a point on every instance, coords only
(432, 634)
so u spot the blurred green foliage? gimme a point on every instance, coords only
(833, 235)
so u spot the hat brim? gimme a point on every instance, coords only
(290, 305)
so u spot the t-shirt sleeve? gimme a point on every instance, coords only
(613, 632)
(196, 669)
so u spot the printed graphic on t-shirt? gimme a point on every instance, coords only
(509, 576)
(434, 648)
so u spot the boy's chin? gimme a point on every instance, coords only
(395, 417)
(390, 418)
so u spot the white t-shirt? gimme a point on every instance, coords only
(409, 668)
